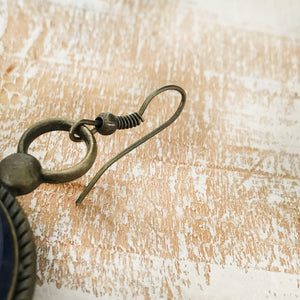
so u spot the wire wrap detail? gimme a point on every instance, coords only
(129, 121)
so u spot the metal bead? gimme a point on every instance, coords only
(20, 173)
(108, 124)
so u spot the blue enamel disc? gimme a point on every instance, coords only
(8, 255)
(17, 250)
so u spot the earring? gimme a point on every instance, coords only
(21, 173)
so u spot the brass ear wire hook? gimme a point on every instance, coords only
(107, 123)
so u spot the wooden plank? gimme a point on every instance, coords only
(210, 207)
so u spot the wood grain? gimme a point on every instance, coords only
(207, 209)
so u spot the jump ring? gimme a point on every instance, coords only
(52, 124)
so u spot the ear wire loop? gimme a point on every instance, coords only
(143, 139)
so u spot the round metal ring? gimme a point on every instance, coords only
(63, 124)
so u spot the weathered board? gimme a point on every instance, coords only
(209, 208)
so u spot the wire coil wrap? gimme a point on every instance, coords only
(129, 121)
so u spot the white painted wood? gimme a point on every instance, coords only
(210, 210)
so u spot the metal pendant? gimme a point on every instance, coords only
(17, 250)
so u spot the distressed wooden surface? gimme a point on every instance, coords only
(209, 208)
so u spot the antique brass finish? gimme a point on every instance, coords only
(21, 173)
(52, 124)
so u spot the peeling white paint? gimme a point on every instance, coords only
(210, 205)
